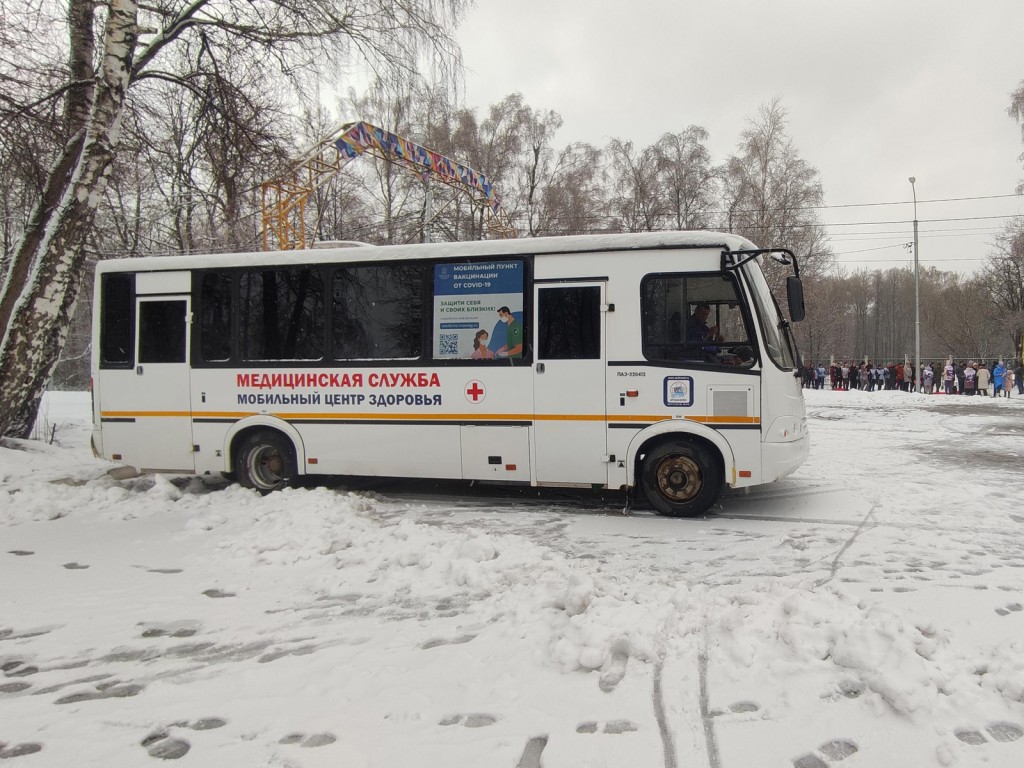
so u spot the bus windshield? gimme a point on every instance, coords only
(778, 340)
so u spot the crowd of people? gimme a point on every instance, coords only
(997, 379)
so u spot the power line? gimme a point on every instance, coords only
(902, 221)
(908, 202)
(903, 233)
(879, 248)
(910, 266)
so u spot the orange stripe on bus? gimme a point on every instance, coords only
(613, 418)
(409, 416)
(140, 414)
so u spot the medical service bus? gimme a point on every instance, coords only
(657, 362)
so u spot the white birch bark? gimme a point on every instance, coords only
(39, 322)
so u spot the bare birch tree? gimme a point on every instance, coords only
(770, 193)
(636, 188)
(573, 202)
(1016, 111)
(539, 168)
(688, 180)
(1003, 275)
(103, 59)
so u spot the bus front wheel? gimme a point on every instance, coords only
(265, 461)
(681, 479)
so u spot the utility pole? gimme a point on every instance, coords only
(917, 298)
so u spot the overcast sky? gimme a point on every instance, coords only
(876, 91)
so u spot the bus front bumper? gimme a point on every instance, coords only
(782, 459)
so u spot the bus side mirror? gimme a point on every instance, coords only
(795, 295)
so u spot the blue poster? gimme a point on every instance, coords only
(478, 310)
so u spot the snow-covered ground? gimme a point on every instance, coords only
(865, 612)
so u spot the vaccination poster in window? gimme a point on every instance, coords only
(478, 310)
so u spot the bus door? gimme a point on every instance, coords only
(146, 408)
(570, 431)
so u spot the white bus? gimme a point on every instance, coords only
(657, 362)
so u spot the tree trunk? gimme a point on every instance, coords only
(50, 258)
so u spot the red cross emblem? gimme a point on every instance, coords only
(475, 391)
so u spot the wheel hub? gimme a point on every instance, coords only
(268, 466)
(679, 478)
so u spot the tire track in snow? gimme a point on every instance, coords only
(848, 543)
(705, 713)
(658, 695)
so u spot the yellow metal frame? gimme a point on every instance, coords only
(284, 200)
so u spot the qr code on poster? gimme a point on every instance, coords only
(449, 344)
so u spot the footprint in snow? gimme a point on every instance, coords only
(741, 707)
(738, 708)
(215, 593)
(179, 629)
(613, 673)
(148, 569)
(532, 752)
(10, 634)
(612, 727)
(16, 668)
(18, 750)
(439, 641)
(474, 720)
(829, 752)
(105, 691)
(999, 731)
(847, 689)
(1005, 611)
(163, 746)
(314, 740)
(302, 650)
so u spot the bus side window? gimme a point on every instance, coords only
(378, 312)
(117, 320)
(162, 331)
(569, 323)
(693, 318)
(215, 316)
(282, 314)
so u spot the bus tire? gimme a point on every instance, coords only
(681, 478)
(265, 460)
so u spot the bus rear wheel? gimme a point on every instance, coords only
(265, 461)
(681, 479)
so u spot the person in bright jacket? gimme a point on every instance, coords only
(998, 379)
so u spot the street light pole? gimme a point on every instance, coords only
(917, 298)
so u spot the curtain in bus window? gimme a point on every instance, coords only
(215, 316)
(162, 331)
(569, 323)
(282, 314)
(378, 312)
(117, 320)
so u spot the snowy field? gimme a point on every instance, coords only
(865, 612)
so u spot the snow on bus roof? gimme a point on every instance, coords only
(464, 249)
